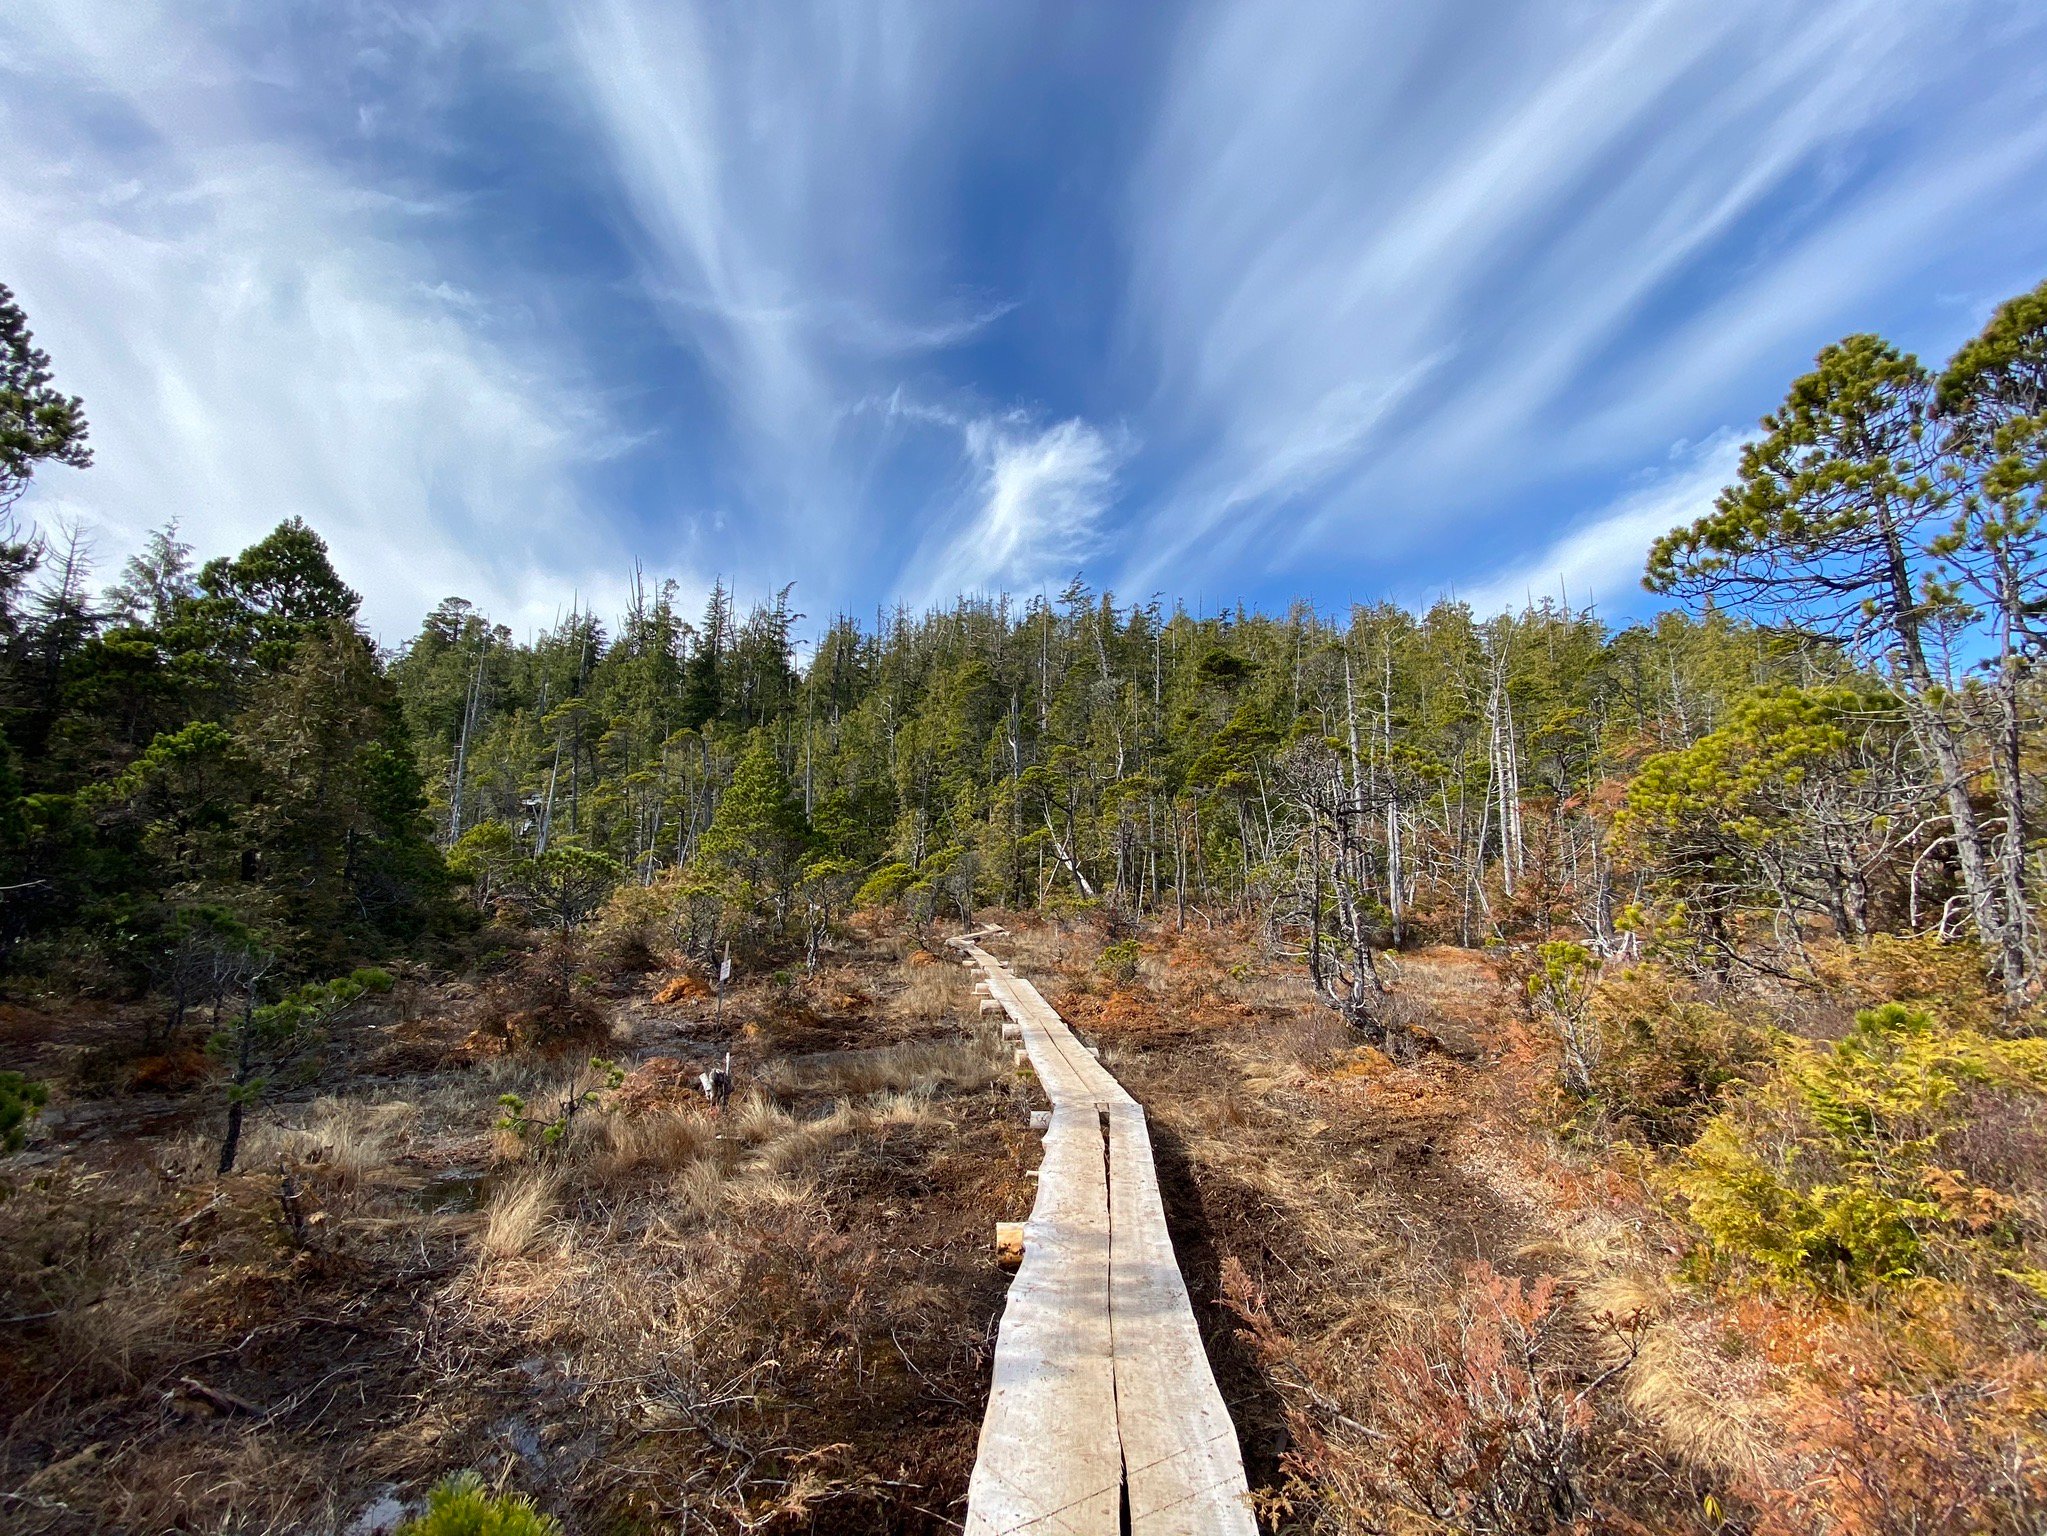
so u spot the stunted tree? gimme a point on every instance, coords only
(1836, 527)
(281, 592)
(566, 885)
(1795, 805)
(486, 858)
(154, 581)
(826, 888)
(267, 1039)
(1993, 401)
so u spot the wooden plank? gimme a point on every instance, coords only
(1184, 1473)
(1049, 1457)
(1098, 1273)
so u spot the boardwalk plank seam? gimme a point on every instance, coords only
(1099, 1294)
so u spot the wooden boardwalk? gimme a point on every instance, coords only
(1104, 1415)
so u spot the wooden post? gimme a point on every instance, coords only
(1041, 1120)
(1012, 1031)
(1009, 1244)
(989, 1006)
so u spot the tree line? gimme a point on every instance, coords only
(1841, 733)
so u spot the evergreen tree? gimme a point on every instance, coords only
(38, 423)
(759, 833)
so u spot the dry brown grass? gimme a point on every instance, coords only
(350, 1141)
(632, 1327)
(778, 1316)
(933, 994)
(927, 1064)
(89, 1265)
(518, 1213)
(620, 1147)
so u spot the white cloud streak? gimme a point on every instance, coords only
(1375, 280)
(259, 335)
(781, 177)
(1035, 514)
(1601, 559)
(1391, 262)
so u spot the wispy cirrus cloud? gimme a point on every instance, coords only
(1034, 512)
(1331, 299)
(1599, 560)
(782, 176)
(260, 333)
(1394, 263)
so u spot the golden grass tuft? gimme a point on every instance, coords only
(925, 1064)
(520, 1209)
(347, 1140)
(1684, 1390)
(621, 1147)
(933, 993)
(698, 1189)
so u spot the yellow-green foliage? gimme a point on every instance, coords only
(462, 1506)
(1725, 822)
(885, 887)
(1948, 976)
(1833, 1175)
(1663, 1058)
(20, 1101)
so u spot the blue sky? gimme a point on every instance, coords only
(1248, 301)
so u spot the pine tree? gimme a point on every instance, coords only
(38, 423)
(759, 833)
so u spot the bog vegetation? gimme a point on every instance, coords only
(1761, 881)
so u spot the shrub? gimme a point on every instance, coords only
(885, 887)
(543, 1005)
(630, 929)
(1560, 994)
(1481, 1419)
(1118, 961)
(1064, 910)
(1914, 968)
(1662, 1060)
(1834, 1175)
(20, 1100)
(1496, 1411)
(462, 1506)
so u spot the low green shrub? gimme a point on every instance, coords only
(1662, 1059)
(20, 1101)
(1848, 1169)
(1118, 961)
(885, 887)
(463, 1506)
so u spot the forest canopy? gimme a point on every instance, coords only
(1841, 731)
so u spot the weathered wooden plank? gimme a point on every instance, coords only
(1049, 1458)
(1167, 1432)
(1182, 1468)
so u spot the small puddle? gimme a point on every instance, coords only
(381, 1516)
(453, 1191)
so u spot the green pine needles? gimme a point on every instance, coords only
(463, 1505)
(1837, 1175)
